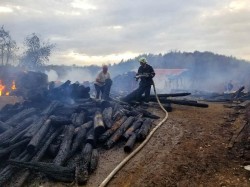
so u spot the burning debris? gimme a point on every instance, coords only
(7, 90)
(62, 139)
(59, 130)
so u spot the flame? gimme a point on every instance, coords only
(13, 87)
(1, 88)
(5, 90)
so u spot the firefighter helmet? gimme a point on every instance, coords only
(143, 60)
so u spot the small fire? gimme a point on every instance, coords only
(5, 90)
(1, 88)
(13, 87)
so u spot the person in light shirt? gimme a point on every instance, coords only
(103, 83)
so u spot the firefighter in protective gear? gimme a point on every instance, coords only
(146, 74)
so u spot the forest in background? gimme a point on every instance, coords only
(205, 70)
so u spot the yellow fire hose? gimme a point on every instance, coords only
(131, 155)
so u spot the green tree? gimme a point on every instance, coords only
(8, 47)
(37, 53)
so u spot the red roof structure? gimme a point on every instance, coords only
(162, 72)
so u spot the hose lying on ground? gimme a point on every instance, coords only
(125, 160)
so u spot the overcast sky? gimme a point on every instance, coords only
(107, 31)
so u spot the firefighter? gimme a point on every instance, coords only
(146, 74)
(103, 83)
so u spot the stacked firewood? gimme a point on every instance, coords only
(62, 140)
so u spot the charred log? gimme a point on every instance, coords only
(35, 141)
(48, 139)
(118, 114)
(136, 125)
(130, 143)
(92, 110)
(144, 130)
(20, 116)
(35, 127)
(131, 96)
(51, 108)
(15, 153)
(9, 170)
(168, 107)
(3, 127)
(171, 95)
(65, 146)
(91, 137)
(66, 111)
(6, 173)
(7, 150)
(189, 103)
(135, 113)
(88, 125)
(10, 110)
(59, 120)
(147, 114)
(81, 172)
(19, 136)
(116, 136)
(94, 160)
(78, 140)
(111, 131)
(5, 136)
(183, 102)
(78, 118)
(53, 149)
(53, 133)
(60, 173)
(99, 127)
(107, 117)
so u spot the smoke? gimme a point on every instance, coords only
(79, 75)
(73, 75)
(52, 75)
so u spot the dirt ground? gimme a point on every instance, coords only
(190, 149)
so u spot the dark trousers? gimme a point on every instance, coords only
(105, 89)
(99, 89)
(144, 88)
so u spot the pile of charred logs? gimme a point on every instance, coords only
(62, 140)
(34, 86)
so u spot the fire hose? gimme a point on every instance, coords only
(131, 155)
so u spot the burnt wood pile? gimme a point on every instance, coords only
(31, 85)
(34, 86)
(62, 140)
(167, 100)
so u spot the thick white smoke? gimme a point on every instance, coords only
(78, 75)
(52, 75)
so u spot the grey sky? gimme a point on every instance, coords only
(107, 31)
